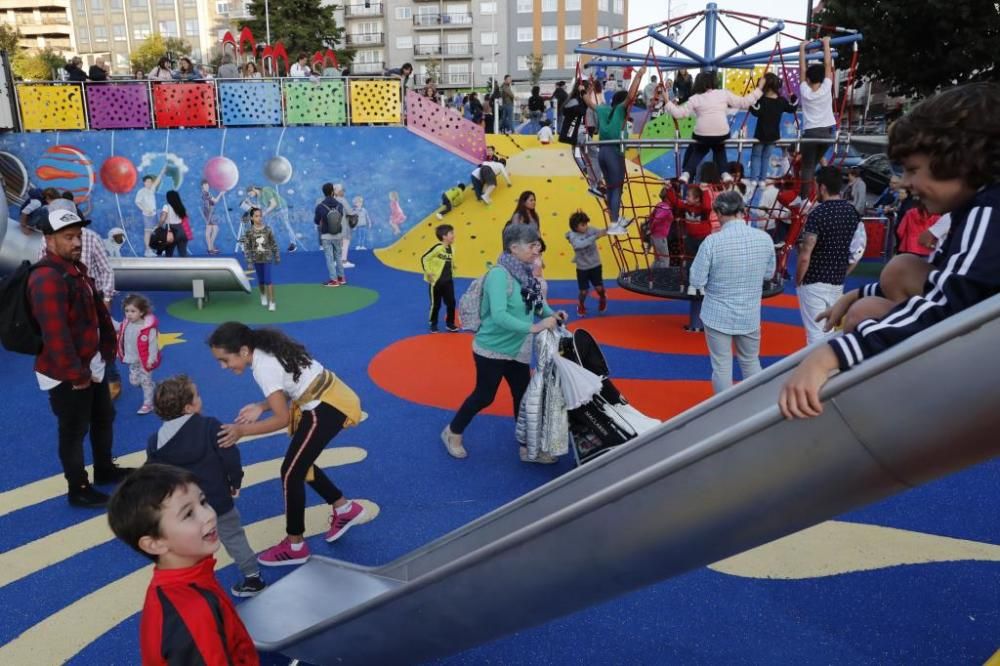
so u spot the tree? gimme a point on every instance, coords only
(920, 47)
(148, 54)
(303, 26)
(433, 73)
(41, 66)
(9, 38)
(535, 67)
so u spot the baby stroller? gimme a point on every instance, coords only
(607, 420)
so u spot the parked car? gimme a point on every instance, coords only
(877, 171)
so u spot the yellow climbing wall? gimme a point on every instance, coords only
(741, 81)
(560, 189)
(51, 106)
(375, 102)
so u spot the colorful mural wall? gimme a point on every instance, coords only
(105, 169)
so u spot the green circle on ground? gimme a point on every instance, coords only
(295, 302)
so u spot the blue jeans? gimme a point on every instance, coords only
(332, 249)
(506, 117)
(760, 157)
(612, 163)
(360, 236)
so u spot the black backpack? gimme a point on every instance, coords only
(334, 224)
(19, 332)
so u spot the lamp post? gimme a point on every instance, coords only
(267, 22)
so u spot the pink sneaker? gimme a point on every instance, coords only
(341, 522)
(145, 409)
(282, 555)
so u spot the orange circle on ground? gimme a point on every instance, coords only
(790, 301)
(437, 370)
(665, 334)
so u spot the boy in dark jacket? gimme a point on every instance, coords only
(190, 441)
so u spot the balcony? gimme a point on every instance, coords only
(361, 39)
(435, 21)
(363, 10)
(438, 51)
(358, 68)
(457, 79)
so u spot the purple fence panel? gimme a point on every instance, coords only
(445, 127)
(118, 105)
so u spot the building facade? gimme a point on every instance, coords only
(43, 23)
(112, 29)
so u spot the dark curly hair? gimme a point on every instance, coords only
(172, 395)
(135, 507)
(958, 129)
(233, 336)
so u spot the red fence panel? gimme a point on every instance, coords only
(184, 104)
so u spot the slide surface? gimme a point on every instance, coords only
(724, 477)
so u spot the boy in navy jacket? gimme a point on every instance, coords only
(949, 146)
(190, 441)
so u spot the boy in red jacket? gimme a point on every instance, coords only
(161, 512)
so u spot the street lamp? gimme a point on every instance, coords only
(267, 22)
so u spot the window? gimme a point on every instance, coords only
(570, 60)
(619, 6)
(550, 5)
(602, 31)
(167, 28)
(118, 32)
(97, 5)
(369, 56)
(572, 5)
(602, 5)
(121, 60)
(488, 68)
(404, 43)
(522, 63)
(191, 27)
(138, 4)
(190, 3)
(82, 34)
(164, 3)
(550, 61)
(140, 30)
(572, 32)
(115, 4)
(487, 8)
(525, 6)
(222, 8)
(525, 34)
(100, 33)
(81, 6)
(404, 13)
(550, 33)
(488, 38)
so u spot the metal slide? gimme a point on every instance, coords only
(719, 479)
(131, 273)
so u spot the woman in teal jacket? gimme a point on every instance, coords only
(501, 349)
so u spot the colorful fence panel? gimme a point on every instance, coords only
(184, 104)
(250, 102)
(51, 106)
(375, 102)
(315, 103)
(118, 106)
(445, 127)
(662, 127)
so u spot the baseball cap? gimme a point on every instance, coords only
(60, 219)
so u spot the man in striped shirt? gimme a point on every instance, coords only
(949, 146)
(730, 268)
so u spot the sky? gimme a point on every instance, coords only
(644, 12)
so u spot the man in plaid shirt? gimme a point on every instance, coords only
(730, 268)
(78, 337)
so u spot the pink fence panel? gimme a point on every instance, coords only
(445, 127)
(118, 105)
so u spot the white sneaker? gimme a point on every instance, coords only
(263, 301)
(685, 177)
(272, 307)
(439, 216)
(616, 229)
(487, 200)
(348, 264)
(150, 253)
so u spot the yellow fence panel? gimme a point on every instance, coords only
(51, 106)
(375, 102)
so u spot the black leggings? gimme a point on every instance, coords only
(489, 372)
(316, 429)
(701, 147)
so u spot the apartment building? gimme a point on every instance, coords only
(553, 28)
(113, 28)
(43, 23)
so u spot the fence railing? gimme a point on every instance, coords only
(213, 103)
(444, 20)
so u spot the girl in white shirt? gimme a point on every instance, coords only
(321, 406)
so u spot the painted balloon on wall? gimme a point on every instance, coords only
(221, 173)
(118, 174)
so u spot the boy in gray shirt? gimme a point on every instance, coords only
(589, 272)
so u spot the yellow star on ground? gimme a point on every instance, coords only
(170, 339)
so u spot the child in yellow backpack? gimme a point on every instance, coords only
(450, 199)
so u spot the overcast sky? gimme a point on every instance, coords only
(644, 12)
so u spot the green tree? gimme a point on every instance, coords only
(9, 37)
(920, 47)
(148, 54)
(41, 66)
(535, 66)
(303, 26)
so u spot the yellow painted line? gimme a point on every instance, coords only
(89, 618)
(55, 486)
(994, 660)
(32, 557)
